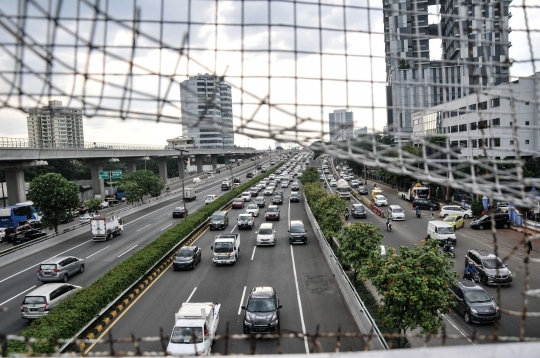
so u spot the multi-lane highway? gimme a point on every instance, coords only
(413, 229)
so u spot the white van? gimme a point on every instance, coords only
(441, 231)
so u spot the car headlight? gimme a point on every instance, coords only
(474, 311)
(497, 308)
(247, 322)
(274, 323)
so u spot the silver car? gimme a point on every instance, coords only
(43, 299)
(60, 268)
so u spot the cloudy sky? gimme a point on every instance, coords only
(338, 63)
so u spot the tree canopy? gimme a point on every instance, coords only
(140, 183)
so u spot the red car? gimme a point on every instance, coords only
(238, 203)
(272, 213)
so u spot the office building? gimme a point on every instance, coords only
(54, 126)
(207, 112)
(473, 58)
(341, 125)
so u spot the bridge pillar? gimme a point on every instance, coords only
(181, 169)
(162, 162)
(16, 192)
(214, 161)
(198, 161)
(131, 167)
(98, 185)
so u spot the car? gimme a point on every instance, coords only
(238, 203)
(252, 209)
(333, 182)
(474, 303)
(395, 212)
(295, 186)
(272, 213)
(219, 220)
(321, 178)
(210, 199)
(455, 209)
(284, 183)
(362, 190)
(85, 219)
(26, 233)
(104, 204)
(454, 220)
(491, 269)
(59, 268)
(249, 175)
(277, 199)
(187, 258)
(263, 184)
(426, 204)
(359, 211)
(297, 232)
(294, 197)
(179, 212)
(272, 177)
(261, 203)
(501, 207)
(225, 185)
(326, 171)
(43, 299)
(502, 221)
(355, 183)
(246, 195)
(254, 192)
(35, 224)
(380, 200)
(266, 234)
(262, 311)
(245, 221)
(269, 190)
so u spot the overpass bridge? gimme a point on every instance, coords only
(16, 154)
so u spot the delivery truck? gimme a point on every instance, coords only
(105, 227)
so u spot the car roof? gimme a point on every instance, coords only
(266, 225)
(45, 289)
(262, 292)
(297, 222)
(222, 212)
(467, 285)
(55, 260)
(188, 248)
(395, 207)
(483, 253)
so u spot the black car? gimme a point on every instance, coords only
(277, 200)
(25, 234)
(249, 175)
(297, 232)
(475, 304)
(262, 311)
(426, 204)
(502, 221)
(491, 269)
(179, 212)
(254, 192)
(34, 224)
(294, 198)
(187, 258)
(219, 220)
(362, 190)
(260, 202)
(278, 192)
(359, 211)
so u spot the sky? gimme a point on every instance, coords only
(339, 63)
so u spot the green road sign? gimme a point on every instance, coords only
(103, 175)
(117, 174)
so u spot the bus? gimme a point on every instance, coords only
(11, 216)
(120, 193)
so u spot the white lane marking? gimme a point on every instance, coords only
(192, 292)
(253, 254)
(31, 267)
(128, 250)
(87, 257)
(242, 300)
(299, 302)
(12, 298)
(459, 330)
(144, 227)
(233, 228)
(165, 227)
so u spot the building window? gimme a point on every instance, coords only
(510, 124)
(482, 106)
(495, 142)
(453, 113)
(526, 123)
(495, 102)
(526, 103)
(453, 129)
(472, 107)
(511, 142)
(462, 127)
(463, 143)
(473, 126)
(526, 141)
(496, 122)
(462, 110)
(482, 124)
(474, 143)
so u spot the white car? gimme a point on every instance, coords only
(246, 195)
(86, 218)
(252, 209)
(285, 184)
(333, 182)
(395, 212)
(263, 184)
(269, 190)
(380, 200)
(245, 221)
(265, 235)
(455, 209)
(210, 199)
(104, 204)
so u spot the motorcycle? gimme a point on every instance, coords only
(389, 226)
(471, 277)
(418, 214)
(450, 249)
(325, 185)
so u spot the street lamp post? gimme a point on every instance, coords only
(182, 151)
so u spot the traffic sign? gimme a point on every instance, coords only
(117, 174)
(103, 175)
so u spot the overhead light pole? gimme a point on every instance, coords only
(182, 151)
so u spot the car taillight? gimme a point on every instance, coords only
(47, 307)
(56, 271)
(39, 271)
(22, 308)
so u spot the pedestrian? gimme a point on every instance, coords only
(432, 217)
(529, 247)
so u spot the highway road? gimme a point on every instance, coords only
(413, 229)
(20, 277)
(308, 292)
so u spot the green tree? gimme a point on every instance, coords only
(360, 247)
(414, 286)
(146, 181)
(310, 175)
(328, 209)
(477, 207)
(93, 205)
(54, 196)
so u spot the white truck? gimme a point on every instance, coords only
(416, 192)
(190, 194)
(343, 189)
(106, 227)
(226, 249)
(194, 329)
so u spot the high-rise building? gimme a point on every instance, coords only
(207, 112)
(474, 50)
(54, 126)
(341, 125)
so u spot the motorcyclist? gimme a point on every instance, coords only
(325, 185)
(418, 212)
(447, 245)
(388, 223)
(470, 271)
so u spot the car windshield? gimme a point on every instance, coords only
(175, 209)
(210, 197)
(239, 200)
(477, 296)
(261, 305)
(186, 335)
(244, 217)
(358, 208)
(493, 263)
(245, 193)
(223, 247)
(217, 217)
(252, 206)
(380, 197)
(446, 230)
(449, 219)
(272, 210)
(265, 231)
(185, 253)
(34, 299)
(297, 229)
(483, 218)
(397, 210)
